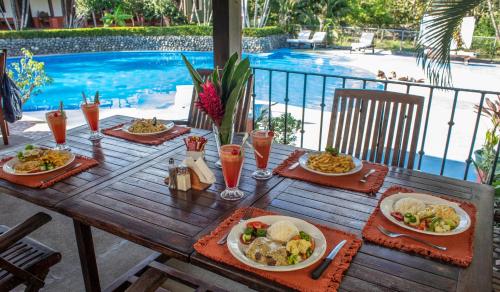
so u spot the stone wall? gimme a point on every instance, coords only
(48, 46)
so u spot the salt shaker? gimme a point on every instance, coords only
(183, 179)
(172, 174)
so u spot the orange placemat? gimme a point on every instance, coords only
(459, 247)
(348, 182)
(43, 181)
(158, 139)
(298, 280)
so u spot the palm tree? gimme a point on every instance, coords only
(433, 47)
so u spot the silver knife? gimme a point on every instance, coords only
(316, 274)
(294, 166)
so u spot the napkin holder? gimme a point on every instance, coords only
(196, 184)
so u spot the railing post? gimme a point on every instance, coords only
(304, 90)
(270, 92)
(451, 123)
(491, 177)
(468, 161)
(253, 99)
(322, 112)
(426, 124)
(286, 109)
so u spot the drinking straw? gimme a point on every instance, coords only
(84, 97)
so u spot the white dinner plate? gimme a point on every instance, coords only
(8, 167)
(169, 125)
(387, 206)
(358, 165)
(237, 248)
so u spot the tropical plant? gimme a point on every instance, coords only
(29, 75)
(485, 157)
(290, 130)
(219, 95)
(444, 19)
(117, 18)
(255, 13)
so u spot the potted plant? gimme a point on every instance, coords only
(219, 95)
(484, 157)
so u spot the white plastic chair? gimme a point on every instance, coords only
(301, 37)
(365, 42)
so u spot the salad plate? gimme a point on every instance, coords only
(40, 160)
(431, 222)
(239, 249)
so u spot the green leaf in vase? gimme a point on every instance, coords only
(197, 80)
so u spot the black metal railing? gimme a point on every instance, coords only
(266, 75)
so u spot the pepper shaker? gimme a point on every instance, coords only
(172, 174)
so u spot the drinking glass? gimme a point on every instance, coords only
(232, 157)
(57, 124)
(262, 141)
(91, 113)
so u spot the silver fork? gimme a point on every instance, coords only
(394, 235)
(246, 216)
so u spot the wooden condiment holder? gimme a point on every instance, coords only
(196, 184)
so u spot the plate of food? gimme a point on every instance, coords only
(276, 243)
(426, 214)
(147, 127)
(330, 163)
(36, 160)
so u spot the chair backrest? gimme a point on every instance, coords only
(304, 35)
(198, 119)
(367, 38)
(319, 36)
(374, 125)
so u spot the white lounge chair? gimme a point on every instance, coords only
(301, 37)
(319, 37)
(365, 42)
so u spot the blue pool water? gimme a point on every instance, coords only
(149, 79)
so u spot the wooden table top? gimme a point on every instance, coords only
(126, 195)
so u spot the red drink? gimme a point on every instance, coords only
(91, 113)
(232, 157)
(262, 141)
(57, 124)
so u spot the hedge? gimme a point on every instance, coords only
(182, 30)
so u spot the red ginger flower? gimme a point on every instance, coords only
(210, 102)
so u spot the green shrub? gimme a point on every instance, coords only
(181, 30)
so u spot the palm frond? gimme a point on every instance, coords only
(433, 47)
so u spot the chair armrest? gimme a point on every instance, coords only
(22, 230)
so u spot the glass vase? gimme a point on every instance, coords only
(222, 138)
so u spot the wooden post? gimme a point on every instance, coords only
(226, 30)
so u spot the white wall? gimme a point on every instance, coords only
(57, 7)
(7, 8)
(39, 6)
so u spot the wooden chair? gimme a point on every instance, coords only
(157, 273)
(198, 119)
(376, 125)
(24, 260)
(4, 127)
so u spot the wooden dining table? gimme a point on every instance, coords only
(126, 195)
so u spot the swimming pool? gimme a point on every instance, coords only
(149, 79)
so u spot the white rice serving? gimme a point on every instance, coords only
(282, 231)
(409, 205)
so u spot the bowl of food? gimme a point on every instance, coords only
(147, 127)
(426, 214)
(330, 163)
(36, 160)
(276, 243)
